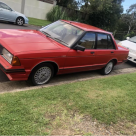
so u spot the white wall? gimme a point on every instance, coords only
(33, 8)
(37, 9)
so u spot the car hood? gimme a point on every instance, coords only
(129, 45)
(26, 40)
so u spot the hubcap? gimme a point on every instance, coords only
(108, 68)
(42, 75)
(20, 21)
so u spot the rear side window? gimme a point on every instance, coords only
(101, 41)
(110, 43)
(104, 41)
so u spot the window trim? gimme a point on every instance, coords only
(96, 33)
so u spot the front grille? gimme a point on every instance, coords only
(1, 48)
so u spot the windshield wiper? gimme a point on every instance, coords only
(59, 40)
(47, 34)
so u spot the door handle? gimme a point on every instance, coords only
(112, 52)
(92, 52)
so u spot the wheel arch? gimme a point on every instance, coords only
(54, 64)
(20, 17)
(115, 60)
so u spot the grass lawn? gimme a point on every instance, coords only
(38, 22)
(49, 110)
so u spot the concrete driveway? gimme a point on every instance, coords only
(8, 86)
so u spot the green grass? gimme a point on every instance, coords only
(40, 112)
(38, 22)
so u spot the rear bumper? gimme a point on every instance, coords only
(12, 73)
(132, 57)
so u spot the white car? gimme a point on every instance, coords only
(8, 14)
(130, 44)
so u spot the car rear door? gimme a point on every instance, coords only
(6, 13)
(105, 49)
(82, 60)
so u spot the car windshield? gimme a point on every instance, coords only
(133, 39)
(62, 32)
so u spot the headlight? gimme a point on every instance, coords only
(7, 55)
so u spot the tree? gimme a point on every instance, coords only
(68, 3)
(103, 13)
(130, 17)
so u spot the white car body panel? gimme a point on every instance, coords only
(132, 49)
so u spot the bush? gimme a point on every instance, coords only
(131, 34)
(57, 13)
(63, 13)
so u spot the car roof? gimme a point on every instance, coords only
(86, 27)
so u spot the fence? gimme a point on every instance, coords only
(120, 35)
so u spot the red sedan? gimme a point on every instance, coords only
(59, 48)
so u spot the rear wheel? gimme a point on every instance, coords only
(41, 74)
(108, 68)
(20, 21)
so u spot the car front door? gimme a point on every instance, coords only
(6, 13)
(82, 60)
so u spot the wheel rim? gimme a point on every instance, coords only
(42, 75)
(108, 68)
(20, 21)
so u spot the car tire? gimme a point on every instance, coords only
(108, 68)
(20, 21)
(41, 74)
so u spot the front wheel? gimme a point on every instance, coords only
(42, 74)
(108, 68)
(20, 21)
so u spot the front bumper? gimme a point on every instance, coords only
(132, 57)
(13, 73)
(26, 20)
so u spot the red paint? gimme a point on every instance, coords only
(32, 47)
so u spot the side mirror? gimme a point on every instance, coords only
(128, 38)
(79, 47)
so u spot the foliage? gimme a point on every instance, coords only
(131, 34)
(62, 13)
(104, 14)
(56, 13)
(130, 17)
(68, 3)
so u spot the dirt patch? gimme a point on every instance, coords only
(66, 123)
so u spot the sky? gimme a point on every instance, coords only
(128, 3)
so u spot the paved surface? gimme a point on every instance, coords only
(6, 25)
(7, 86)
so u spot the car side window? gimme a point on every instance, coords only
(88, 41)
(102, 41)
(4, 6)
(110, 43)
